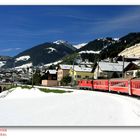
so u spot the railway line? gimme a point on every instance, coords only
(122, 86)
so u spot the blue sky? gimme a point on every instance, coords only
(22, 27)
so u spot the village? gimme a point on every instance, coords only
(126, 65)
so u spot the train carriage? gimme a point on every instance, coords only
(119, 85)
(135, 87)
(85, 84)
(128, 86)
(101, 85)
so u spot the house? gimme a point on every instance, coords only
(50, 78)
(131, 70)
(81, 72)
(62, 71)
(109, 70)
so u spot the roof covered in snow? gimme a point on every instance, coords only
(51, 71)
(108, 66)
(82, 69)
(65, 67)
(125, 63)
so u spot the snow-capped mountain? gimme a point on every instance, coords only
(78, 46)
(50, 52)
(42, 54)
(66, 43)
(58, 42)
(96, 46)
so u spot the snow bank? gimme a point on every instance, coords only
(24, 107)
(94, 52)
(78, 46)
(51, 49)
(53, 63)
(2, 63)
(24, 66)
(23, 58)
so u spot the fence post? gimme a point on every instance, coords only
(109, 85)
(129, 87)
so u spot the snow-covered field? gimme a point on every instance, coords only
(24, 107)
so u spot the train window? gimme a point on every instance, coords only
(78, 76)
(86, 77)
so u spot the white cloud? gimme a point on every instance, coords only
(10, 49)
(128, 19)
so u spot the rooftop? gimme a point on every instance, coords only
(108, 66)
(82, 69)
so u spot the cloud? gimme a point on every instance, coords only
(10, 49)
(128, 20)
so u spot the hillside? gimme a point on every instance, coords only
(42, 54)
(93, 51)
(100, 49)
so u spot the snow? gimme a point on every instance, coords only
(78, 46)
(24, 107)
(51, 49)
(51, 71)
(65, 67)
(95, 52)
(116, 39)
(65, 43)
(24, 66)
(82, 69)
(23, 58)
(53, 63)
(2, 63)
(58, 42)
(110, 66)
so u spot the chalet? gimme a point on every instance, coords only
(81, 72)
(62, 71)
(50, 78)
(131, 70)
(109, 70)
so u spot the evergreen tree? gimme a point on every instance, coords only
(66, 80)
(37, 78)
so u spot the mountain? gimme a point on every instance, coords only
(64, 52)
(3, 60)
(42, 54)
(103, 48)
(124, 42)
(92, 50)
(66, 43)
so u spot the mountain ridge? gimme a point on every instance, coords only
(95, 50)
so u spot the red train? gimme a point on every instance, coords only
(128, 86)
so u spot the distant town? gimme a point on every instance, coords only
(125, 65)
